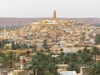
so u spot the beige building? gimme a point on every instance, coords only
(18, 72)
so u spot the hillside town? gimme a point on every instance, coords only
(62, 42)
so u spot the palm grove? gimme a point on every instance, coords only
(44, 63)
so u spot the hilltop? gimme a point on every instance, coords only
(27, 21)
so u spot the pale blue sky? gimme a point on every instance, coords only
(45, 8)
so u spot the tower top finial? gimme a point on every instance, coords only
(54, 15)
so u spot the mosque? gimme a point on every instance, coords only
(47, 23)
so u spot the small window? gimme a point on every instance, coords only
(24, 60)
(61, 49)
(59, 44)
(28, 52)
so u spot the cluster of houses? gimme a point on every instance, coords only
(58, 33)
(62, 35)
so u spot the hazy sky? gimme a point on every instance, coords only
(45, 8)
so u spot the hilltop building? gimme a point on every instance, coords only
(47, 23)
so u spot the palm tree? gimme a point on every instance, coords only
(60, 57)
(4, 61)
(84, 57)
(1, 44)
(13, 46)
(24, 46)
(54, 60)
(1, 54)
(74, 57)
(66, 59)
(97, 39)
(86, 50)
(34, 65)
(7, 48)
(48, 50)
(34, 48)
(72, 67)
(79, 52)
(11, 57)
(45, 64)
(42, 51)
(45, 44)
(95, 50)
(52, 68)
(17, 46)
(93, 68)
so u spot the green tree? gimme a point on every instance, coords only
(7, 48)
(93, 68)
(97, 39)
(34, 65)
(60, 57)
(79, 52)
(47, 50)
(31, 46)
(52, 68)
(5, 41)
(11, 57)
(17, 46)
(34, 48)
(84, 57)
(66, 59)
(45, 44)
(54, 60)
(72, 67)
(86, 50)
(95, 51)
(13, 47)
(24, 46)
(46, 63)
(4, 61)
(74, 57)
(1, 44)
(1, 54)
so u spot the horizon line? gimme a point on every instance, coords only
(49, 17)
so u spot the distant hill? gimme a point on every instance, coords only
(27, 21)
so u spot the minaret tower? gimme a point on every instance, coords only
(5, 32)
(54, 15)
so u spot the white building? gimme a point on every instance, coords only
(68, 73)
